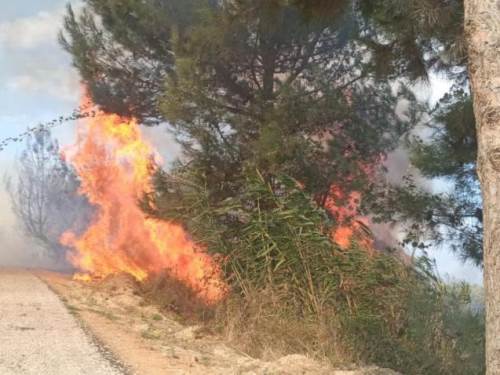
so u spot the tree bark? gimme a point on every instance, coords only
(482, 31)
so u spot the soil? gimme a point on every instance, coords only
(153, 342)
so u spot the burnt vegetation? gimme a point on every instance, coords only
(274, 102)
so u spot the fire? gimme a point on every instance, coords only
(115, 164)
(351, 225)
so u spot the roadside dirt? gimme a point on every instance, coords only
(150, 342)
(39, 336)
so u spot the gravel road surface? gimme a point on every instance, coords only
(39, 336)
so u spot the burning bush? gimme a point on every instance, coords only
(175, 296)
(260, 98)
(294, 290)
(115, 164)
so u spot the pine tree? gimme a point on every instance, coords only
(412, 39)
(282, 87)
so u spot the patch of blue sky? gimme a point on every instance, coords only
(37, 83)
(26, 8)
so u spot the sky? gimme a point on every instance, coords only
(38, 84)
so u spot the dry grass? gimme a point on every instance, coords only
(265, 324)
(268, 324)
(174, 296)
(150, 340)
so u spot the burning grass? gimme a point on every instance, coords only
(115, 165)
(285, 286)
(173, 295)
(294, 291)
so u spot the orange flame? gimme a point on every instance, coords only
(115, 165)
(345, 208)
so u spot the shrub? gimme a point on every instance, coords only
(293, 290)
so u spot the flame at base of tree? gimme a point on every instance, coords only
(115, 165)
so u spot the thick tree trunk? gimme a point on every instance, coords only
(482, 30)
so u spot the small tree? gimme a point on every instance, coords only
(44, 194)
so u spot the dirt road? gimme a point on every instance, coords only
(39, 336)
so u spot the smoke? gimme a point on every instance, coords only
(40, 202)
(398, 164)
(72, 212)
(164, 143)
(17, 249)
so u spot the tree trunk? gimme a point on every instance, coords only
(482, 31)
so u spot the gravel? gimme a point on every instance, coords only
(39, 336)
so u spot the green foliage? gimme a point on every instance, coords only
(292, 87)
(437, 331)
(244, 84)
(123, 67)
(273, 102)
(450, 154)
(446, 151)
(371, 308)
(271, 89)
(411, 37)
(453, 151)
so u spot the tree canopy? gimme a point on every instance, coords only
(285, 87)
(286, 111)
(416, 38)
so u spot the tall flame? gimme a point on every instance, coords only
(115, 164)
